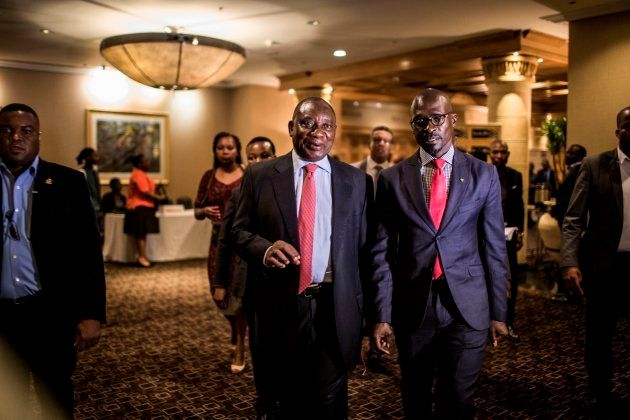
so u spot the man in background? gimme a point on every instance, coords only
(381, 139)
(596, 257)
(513, 214)
(573, 161)
(52, 288)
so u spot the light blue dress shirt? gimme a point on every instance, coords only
(19, 275)
(323, 210)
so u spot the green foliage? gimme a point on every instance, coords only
(556, 132)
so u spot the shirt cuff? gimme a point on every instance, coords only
(265, 257)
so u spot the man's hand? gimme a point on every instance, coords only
(382, 337)
(87, 334)
(572, 277)
(220, 297)
(281, 254)
(498, 330)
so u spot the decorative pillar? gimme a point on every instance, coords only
(509, 80)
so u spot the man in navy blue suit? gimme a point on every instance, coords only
(439, 264)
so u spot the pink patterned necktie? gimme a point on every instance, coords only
(306, 226)
(437, 204)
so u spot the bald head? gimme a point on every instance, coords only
(309, 100)
(624, 114)
(433, 96)
(623, 130)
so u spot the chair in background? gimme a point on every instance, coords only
(185, 201)
(551, 239)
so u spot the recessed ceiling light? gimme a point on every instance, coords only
(291, 91)
(168, 29)
(355, 103)
(339, 53)
(379, 105)
(271, 43)
(313, 22)
(45, 31)
(395, 79)
(405, 64)
(540, 60)
(195, 41)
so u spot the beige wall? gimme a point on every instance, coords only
(262, 111)
(599, 79)
(194, 116)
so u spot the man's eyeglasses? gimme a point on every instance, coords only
(420, 123)
(13, 230)
(26, 131)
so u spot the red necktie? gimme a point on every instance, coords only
(306, 226)
(437, 204)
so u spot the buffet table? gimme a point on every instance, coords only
(181, 237)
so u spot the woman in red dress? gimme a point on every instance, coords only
(214, 192)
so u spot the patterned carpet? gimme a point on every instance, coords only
(164, 354)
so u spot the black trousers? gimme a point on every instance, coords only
(443, 348)
(604, 306)
(314, 382)
(42, 341)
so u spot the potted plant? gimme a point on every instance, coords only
(556, 132)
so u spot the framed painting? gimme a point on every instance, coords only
(118, 135)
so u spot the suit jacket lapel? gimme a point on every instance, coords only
(460, 178)
(413, 184)
(341, 192)
(284, 188)
(615, 181)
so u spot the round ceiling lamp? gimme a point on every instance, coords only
(173, 61)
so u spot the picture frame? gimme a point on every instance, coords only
(117, 135)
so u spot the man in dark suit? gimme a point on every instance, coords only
(301, 225)
(573, 161)
(439, 264)
(596, 254)
(381, 139)
(513, 216)
(52, 289)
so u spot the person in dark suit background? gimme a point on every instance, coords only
(52, 288)
(439, 264)
(232, 286)
(573, 161)
(596, 256)
(381, 138)
(546, 176)
(513, 216)
(114, 201)
(301, 224)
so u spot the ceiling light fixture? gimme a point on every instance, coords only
(45, 31)
(313, 22)
(339, 53)
(540, 60)
(291, 91)
(515, 54)
(172, 60)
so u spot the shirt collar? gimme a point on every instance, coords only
(426, 158)
(31, 169)
(299, 163)
(622, 155)
(371, 164)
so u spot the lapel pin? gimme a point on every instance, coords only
(48, 181)
(461, 179)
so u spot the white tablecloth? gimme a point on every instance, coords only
(181, 237)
